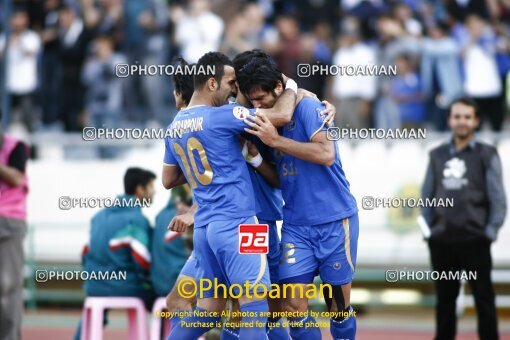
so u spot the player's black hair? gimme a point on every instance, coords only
(245, 57)
(217, 61)
(259, 73)
(183, 82)
(135, 177)
(466, 101)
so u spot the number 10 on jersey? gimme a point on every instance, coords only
(188, 158)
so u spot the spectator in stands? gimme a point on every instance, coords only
(235, 36)
(393, 41)
(13, 196)
(49, 63)
(353, 95)
(258, 27)
(364, 10)
(103, 97)
(315, 50)
(287, 49)
(154, 21)
(24, 46)
(119, 241)
(406, 91)
(74, 37)
(503, 12)
(404, 14)
(104, 93)
(440, 72)
(198, 30)
(144, 41)
(310, 13)
(483, 82)
(244, 32)
(170, 249)
(470, 173)
(459, 10)
(105, 18)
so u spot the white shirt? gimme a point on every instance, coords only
(482, 78)
(22, 63)
(355, 86)
(199, 35)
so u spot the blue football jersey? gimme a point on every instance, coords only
(313, 193)
(204, 143)
(268, 200)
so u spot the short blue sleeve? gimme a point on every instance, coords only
(169, 157)
(311, 116)
(231, 117)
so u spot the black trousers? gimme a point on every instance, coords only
(468, 256)
(493, 110)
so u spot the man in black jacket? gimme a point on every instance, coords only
(469, 172)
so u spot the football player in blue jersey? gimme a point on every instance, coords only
(183, 90)
(204, 151)
(320, 229)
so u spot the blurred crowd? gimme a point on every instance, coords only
(60, 73)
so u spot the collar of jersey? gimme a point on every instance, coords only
(192, 107)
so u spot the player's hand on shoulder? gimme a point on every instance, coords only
(330, 112)
(262, 128)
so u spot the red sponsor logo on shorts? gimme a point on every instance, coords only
(253, 238)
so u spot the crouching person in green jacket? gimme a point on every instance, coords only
(120, 237)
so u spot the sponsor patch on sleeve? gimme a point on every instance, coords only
(240, 112)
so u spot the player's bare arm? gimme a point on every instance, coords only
(305, 93)
(182, 222)
(172, 176)
(281, 113)
(319, 150)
